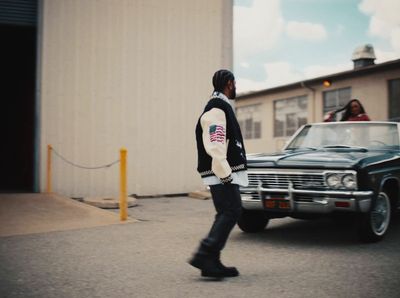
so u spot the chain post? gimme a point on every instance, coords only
(48, 184)
(123, 205)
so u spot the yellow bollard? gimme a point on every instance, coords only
(49, 152)
(123, 205)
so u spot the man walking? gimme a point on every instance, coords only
(222, 166)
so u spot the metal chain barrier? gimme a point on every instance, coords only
(123, 179)
(84, 167)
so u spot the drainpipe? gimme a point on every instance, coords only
(312, 101)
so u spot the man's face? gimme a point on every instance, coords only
(232, 89)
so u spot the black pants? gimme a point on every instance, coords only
(228, 205)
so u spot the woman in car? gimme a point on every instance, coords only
(353, 111)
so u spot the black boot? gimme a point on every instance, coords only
(228, 271)
(208, 265)
(207, 260)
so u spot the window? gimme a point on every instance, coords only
(336, 99)
(249, 119)
(394, 100)
(290, 114)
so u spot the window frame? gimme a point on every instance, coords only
(286, 131)
(255, 131)
(338, 104)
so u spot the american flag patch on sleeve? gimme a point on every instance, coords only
(217, 133)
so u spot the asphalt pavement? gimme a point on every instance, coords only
(148, 258)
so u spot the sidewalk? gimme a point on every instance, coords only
(22, 214)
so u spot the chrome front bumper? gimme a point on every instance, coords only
(319, 201)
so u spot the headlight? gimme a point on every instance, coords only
(349, 181)
(341, 179)
(333, 180)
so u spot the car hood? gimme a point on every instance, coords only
(319, 158)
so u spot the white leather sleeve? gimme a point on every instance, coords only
(213, 124)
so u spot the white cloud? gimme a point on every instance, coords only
(383, 56)
(260, 28)
(306, 31)
(385, 20)
(246, 85)
(282, 73)
(395, 39)
(256, 28)
(385, 10)
(379, 28)
(278, 73)
(314, 71)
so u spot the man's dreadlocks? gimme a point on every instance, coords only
(221, 78)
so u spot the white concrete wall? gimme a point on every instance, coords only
(128, 73)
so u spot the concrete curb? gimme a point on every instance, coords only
(109, 203)
(200, 194)
(26, 213)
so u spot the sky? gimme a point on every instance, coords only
(278, 42)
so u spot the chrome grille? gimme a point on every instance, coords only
(314, 181)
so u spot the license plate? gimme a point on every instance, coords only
(277, 203)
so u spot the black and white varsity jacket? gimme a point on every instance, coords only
(220, 145)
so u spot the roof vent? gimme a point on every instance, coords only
(363, 56)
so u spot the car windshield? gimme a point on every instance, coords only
(355, 135)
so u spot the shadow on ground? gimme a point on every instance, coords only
(316, 233)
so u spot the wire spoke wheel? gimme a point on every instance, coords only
(380, 214)
(374, 224)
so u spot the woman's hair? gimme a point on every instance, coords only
(347, 109)
(221, 78)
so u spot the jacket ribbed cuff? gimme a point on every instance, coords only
(226, 180)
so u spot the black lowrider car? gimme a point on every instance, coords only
(328, 169)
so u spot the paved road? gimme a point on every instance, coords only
(291, 258)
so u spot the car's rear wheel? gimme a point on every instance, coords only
(252, 221)
(375, 223)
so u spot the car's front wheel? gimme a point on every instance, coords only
(375, 223)
(252, 221)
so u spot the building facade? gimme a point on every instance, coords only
(123, 73)
(269, 117)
